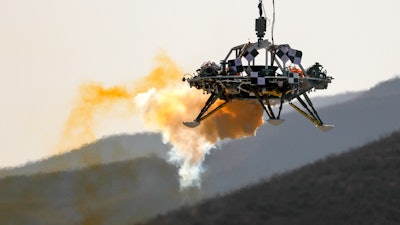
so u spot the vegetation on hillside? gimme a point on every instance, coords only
(361, 186)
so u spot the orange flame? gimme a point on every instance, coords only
(164, 102)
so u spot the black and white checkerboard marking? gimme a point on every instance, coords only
(285, 54)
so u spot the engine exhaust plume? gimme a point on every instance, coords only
(168, 108)
(163, 101)
(93, 99)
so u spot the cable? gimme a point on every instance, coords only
(273, 21)
(265, 14)
(272, 33)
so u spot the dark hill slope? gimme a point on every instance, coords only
(361, 186)
(296, 142)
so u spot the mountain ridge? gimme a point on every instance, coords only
(103, 151)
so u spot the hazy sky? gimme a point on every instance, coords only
(49, 47)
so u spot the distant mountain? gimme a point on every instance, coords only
(387, 88)
(330, 100)
(124, 147)
(358, 187)
(106, 150)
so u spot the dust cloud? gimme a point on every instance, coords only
(163, 102)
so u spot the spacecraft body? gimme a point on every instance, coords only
(263, 72)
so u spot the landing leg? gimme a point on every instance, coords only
(278, 121)
(208, 104)
(261, 102)
(280, 106)
(312, 114)
(270, 109)
(312, 107)
(272, 119)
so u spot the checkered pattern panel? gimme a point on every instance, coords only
(250, 54)
(285, 54)
(293, 78)
(236, 64)
(282, 53)
(257, 79)
(295, 56)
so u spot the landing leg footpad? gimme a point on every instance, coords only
(275, 122)
(192, 124)
(325, 127)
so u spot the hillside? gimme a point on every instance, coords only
(361, 186)
(104, 151)
(116, 193)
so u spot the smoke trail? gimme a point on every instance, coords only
(163, 101)
(93, 99)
